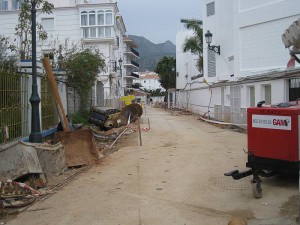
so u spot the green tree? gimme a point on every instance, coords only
(8, 60)
(82, 68)
(195, 43)
(137, 85)
(23, 28)
(166, 72)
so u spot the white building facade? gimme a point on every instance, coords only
(186, 71)
(89, 23)
(149, 81)
(252, 64)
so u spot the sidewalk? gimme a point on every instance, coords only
(175, 178)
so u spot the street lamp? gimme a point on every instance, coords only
(120, 61)
(35, 135)
(174, 73)
(215, 48)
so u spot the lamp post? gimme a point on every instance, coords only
(120, 61)
(215, 48)
(174, 73)
(35, 135)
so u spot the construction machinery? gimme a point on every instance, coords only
(273, 143)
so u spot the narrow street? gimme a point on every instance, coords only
(175, 178)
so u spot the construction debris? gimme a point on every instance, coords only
(10, 188)
(80, 147)
(19, 159)
(103, 117)
(52, 158)
(107, 118)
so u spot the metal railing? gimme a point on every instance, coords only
(49, 112)
(135, 52)
(14, 105)
(135, 63)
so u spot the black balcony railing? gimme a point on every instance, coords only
(135, 63)
(134, 75)
(135, 52)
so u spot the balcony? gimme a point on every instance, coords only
(135, 52)
(131, 63)
(135, 75)
(129, 50)
(135, 63)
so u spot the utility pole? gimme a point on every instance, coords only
(35, 135)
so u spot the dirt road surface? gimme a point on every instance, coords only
(175, 178)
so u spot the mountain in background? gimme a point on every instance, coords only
(151, 53)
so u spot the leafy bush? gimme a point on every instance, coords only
(80, 117)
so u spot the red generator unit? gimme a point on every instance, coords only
(273, 143)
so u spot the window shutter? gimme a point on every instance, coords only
(211, 69)
(210, 9)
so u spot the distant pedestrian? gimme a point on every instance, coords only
(151, 101)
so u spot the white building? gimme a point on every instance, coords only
(252, 64)
(131, 56)
(91, 23)
(186, 69)
(149, 81)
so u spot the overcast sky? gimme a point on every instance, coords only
(157, 20)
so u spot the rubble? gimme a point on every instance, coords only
(19, 159)
(47, 167)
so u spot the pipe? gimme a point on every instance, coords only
(128, 122)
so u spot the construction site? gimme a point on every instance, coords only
(166, 167)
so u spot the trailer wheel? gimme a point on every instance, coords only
(256, 189)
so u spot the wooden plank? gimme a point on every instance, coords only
(59, 105)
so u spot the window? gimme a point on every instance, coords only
(85, 32)
(211, 69)
(101, 32)
(84, 18)
(210, 9)
(48, 23)
(3, 5)
(108, 32)
(16, 4)
(92, 18)
(93, 32)
(117, 42)
(267, 96)
(108, 17)
(100, 17)
(294, 89)
(97, 24)
(105, 17)
(252, 96)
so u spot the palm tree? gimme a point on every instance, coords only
(195, 43)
